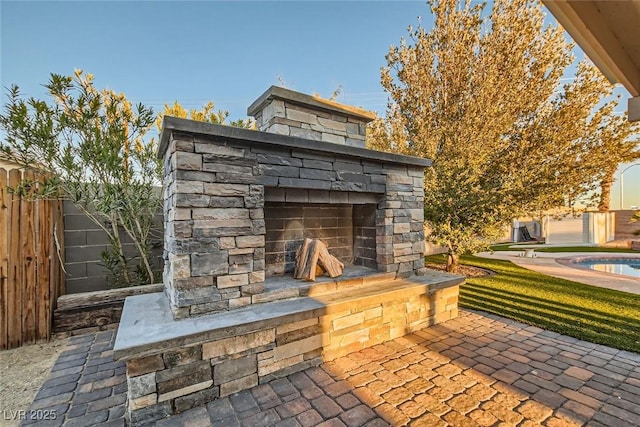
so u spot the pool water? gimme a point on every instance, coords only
(626, 267)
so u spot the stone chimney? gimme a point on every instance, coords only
(286, 112)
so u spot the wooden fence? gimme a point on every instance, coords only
(31, 277)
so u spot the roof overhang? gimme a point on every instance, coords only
(608, 31)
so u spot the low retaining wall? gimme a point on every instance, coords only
(87, 312)
(198, 360)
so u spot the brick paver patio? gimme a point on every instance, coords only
(476, 370)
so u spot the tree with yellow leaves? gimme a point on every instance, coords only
(206, 114)
(481, 95)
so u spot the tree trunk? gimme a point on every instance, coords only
(139, 241)
(117, 248)
(453, 261)
(605, 193)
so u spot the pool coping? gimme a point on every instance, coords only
(546, 264)
(572, 262)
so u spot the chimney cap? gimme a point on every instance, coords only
(309, 101)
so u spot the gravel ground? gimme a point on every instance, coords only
(23, 371)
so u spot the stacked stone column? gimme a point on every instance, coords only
(214, 237)
(400, 222)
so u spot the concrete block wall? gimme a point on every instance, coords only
(84, 243)
(178, 379)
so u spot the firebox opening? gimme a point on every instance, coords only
(348, 230)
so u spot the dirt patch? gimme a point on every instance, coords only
(24, 370)
(464, 270)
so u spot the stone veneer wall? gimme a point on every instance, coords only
(286, 112)
(214, 227)
(214, 192)
(178, 379)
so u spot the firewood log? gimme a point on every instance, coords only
(331, 264)
(301, 258)
(313, 259)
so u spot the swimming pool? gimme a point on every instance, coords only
(618, 265)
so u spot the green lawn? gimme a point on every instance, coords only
(505, 247)
(586, 312)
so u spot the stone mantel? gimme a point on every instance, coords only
(212, 131)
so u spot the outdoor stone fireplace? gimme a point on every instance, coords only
(237, 205)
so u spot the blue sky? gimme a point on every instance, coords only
(229, 52)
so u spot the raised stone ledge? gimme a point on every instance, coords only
(151, 313)
(253, 137)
